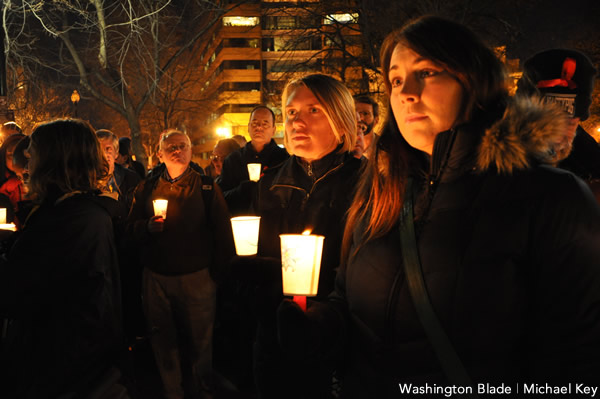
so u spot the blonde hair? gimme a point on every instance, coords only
(337, 103)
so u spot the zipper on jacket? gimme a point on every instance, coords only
(307, 194)
(310, 171)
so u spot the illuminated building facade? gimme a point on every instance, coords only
(255, 48)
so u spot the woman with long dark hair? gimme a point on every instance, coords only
(465, 260)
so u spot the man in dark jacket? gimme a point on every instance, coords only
(567, 77)
(125, 158)
(121, 186)
(237, 187)
(368, 114)
(179, 253)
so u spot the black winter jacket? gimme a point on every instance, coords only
(61, 287)
(296, 196)
(510, 253)
(584, 160)
(197, 230)
(234, 180)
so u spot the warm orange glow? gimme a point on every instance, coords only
(306, 232)
(75, 97)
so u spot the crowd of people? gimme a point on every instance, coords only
(462, 240)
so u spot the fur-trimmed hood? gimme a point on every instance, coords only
(526, 134)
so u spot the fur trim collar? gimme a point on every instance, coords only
(526, 134)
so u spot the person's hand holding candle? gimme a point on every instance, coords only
(156, 224)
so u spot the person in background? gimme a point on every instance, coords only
(121, 185)
(566, 77)
(222, 149)
(60, 282)
(12, 190)
(368, 113)
(241, 140)
(237, 187)
(123, 180)
(9, 128)
(359, 148)
(310, 190)
(507, 248)
(180, 255)
(125, 158)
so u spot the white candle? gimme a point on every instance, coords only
(301, 263)
(2, 215)
(245, 234)
(254, 171)
(160, 207)
(8, 226)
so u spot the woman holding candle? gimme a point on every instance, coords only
(311, 190)
(509, 250)
(60, 282)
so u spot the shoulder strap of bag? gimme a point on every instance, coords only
(207, 195)
(451, 363)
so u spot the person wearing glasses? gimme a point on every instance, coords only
(222, 149)
(235, 181)
(181, 253)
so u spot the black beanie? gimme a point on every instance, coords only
(560, 73)
(124, 145)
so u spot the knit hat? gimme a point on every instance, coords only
(562, 76)
(124, 145)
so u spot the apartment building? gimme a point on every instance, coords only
(257, 47)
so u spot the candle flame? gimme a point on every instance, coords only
(306, 232)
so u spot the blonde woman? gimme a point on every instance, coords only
(311, 190)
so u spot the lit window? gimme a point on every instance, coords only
(345, 18)
(241, 21)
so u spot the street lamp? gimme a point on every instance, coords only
(75, 97)
(223, 131)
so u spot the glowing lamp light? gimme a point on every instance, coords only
(2, 215)
(160, 207)
(223, 131)
(254, 171)
(245, 234)
(75, 97)
(301, 263)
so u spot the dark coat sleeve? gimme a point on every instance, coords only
(566, 285)
(137, 221)
(225, 250)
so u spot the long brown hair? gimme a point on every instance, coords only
(65, 157)
(379, 197)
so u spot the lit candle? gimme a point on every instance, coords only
(2, 215)
(160, 207)
(245, 234)
(8, 226)
(301, 263)
(254, 171)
